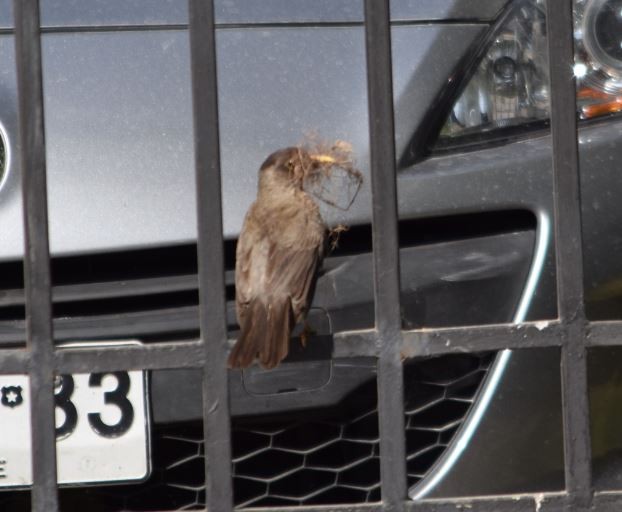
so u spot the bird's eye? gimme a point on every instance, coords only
(290, 165)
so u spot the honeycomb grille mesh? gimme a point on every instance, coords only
(332, 456)
(328, 456)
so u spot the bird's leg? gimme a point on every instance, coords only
(306, 334)
(334, 234)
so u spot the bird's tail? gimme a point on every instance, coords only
(264, 334)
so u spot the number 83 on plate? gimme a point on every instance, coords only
(101, 428)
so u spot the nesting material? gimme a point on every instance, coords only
(337, 181)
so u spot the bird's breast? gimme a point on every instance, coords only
(293, 220)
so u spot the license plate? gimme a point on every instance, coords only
(102, 428)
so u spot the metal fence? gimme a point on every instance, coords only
(571, 331)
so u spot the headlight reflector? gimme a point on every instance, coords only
(510, 86)
(598, 56)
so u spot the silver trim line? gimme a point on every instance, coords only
(469, 427)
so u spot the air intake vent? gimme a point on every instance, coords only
(151, 294)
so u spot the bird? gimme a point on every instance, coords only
(279, 252)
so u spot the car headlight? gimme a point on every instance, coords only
(598, 56)
(509, 88)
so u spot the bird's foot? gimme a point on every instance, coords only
(334, 235)
(306, 334)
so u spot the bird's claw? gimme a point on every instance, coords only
(334, 235)
(306, 334)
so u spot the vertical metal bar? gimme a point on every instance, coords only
(211, 259)
(577, 444)
(386, 253)
(37, 256)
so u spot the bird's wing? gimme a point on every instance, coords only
(276, 265)
(292, 272)
(250, 262)
(273, 288)
(265, 267)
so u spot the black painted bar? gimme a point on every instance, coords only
(14, 361)
(604, 334)
(37, 255)
(541, 502)
(386, 254)
(365, 343)
(569, 254)
(153, 356)
(481, 338)
(216, 418)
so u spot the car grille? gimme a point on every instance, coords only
(152, 294)
(319, 456)
(327, 456)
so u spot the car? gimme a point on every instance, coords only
(476, 205)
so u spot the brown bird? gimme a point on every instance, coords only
(279, 252)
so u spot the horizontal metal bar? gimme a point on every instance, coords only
(481, 338)
(14, 361)
(447, 340)
(610, 501)
(518, 503)
(604, 334)
(155, 356)
(158, 356)
(363, 343)
(367, 507)
(453, 340)
(347, 343)
(544, 502)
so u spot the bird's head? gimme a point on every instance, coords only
(290, 166)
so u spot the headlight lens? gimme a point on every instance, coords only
(598, 56)
(510, 85)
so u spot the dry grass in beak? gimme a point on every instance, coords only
(336, 180)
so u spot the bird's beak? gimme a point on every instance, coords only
(323, 159)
